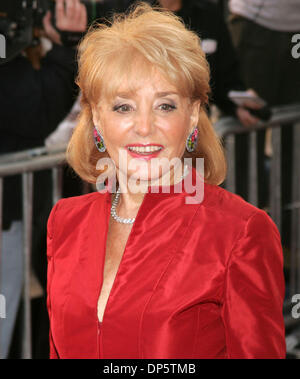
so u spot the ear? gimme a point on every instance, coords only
(95, 116)
(195, 113)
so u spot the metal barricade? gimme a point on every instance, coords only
(25, 163)
(284, 116)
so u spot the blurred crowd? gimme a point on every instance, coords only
(248, 47)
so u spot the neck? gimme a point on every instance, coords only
(172, 5)
(132, 195)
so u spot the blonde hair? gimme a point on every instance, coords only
(106, 56)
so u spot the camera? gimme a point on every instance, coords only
(17, 21)
(19, 18)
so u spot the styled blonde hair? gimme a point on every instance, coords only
(106, 56)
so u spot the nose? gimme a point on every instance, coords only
(144, 123)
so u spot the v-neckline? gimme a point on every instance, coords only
(159, 190)
(108, 207)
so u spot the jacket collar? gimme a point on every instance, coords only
(192, 185)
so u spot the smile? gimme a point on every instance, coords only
(145, 150)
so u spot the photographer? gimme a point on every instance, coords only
(32, 103)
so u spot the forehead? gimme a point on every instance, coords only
(139, 76)
(156, 83)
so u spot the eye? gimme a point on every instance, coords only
(167, 107)
(123, 108)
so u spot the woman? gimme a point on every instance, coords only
(146, 272)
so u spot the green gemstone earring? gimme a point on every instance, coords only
(191, 141)
(99, 142)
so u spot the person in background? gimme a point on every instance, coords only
(262, 32)
(32, 103)
(206, 19)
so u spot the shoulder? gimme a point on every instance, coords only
(77, 201)
(205, 7)
(219, 199)
(203, 17)
(233, 209)
(72, 209)
(244, 229)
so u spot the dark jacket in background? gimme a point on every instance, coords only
(207, 20)
(32, 103)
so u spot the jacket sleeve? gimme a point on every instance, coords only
(252, 311)
(50, 271)
(45, 96)
(226, 71)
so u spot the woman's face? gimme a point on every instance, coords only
(146, 125)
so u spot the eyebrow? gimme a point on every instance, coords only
(157, 94)
(163, 94)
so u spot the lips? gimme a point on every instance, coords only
(144, 151)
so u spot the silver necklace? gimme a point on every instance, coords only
(114, 204)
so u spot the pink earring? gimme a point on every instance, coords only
(99, 142)
(191, 141)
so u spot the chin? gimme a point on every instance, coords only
(142, 176)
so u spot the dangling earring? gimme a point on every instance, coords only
(99, 142)
(191, 141)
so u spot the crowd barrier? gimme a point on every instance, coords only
(282, 117)
(27, 162)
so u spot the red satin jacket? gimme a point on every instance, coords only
(195, 281)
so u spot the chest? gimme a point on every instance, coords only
(152, 280)
(117, 238)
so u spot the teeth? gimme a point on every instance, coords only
(146, 149)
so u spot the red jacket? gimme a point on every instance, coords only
(195, 281)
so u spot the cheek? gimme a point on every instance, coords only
(115, 130)
(177, 131)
